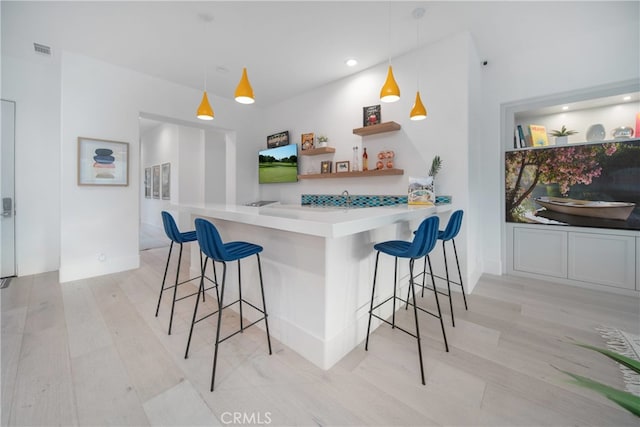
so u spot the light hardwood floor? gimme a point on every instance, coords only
(92, 353)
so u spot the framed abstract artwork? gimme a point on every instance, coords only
(103, 162)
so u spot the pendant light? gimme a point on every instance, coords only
(205, 112)
(418, 112)
(244, 91)
(390, 91)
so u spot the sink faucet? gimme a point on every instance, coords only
(345, 193)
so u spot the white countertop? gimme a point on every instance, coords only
(314, 220)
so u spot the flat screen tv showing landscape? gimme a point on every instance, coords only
(278, 164)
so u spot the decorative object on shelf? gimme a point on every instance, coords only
(418, 111)
(622, 132)
(390, 91)
(342, 166)
(355, 164)
(596, 133)
(421, 191)
(371, 115)
(166, 181)
(562, 134)
(103, 162)
(325, 166)
(436, 165)
(521, 138)
(538, 136)
(385, 159)
(322, 141)
(307, 141)
(365, 159)
(244, 91)
(350, 174)
(278, 139)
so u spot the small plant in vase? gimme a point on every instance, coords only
(322, 141)
(436, 165)
(562, 135)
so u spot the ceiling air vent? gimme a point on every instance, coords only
(40, 48)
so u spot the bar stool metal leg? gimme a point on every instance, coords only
(264, 303)
(373, 293)
(240, 295)
(215, 351)
(175, 289)
(164, 278)
(435, 292)
(464, 296)
(446, 272)
(415, 313)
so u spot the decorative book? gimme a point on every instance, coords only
(538, 136)
(421, 191)
(371, 115)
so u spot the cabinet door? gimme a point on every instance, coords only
(602, 258)
(540, 251)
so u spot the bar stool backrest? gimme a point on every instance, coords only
(210, 241)
(425, 238)
(170, 228)
(453, 226)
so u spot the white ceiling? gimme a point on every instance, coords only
(288, 47)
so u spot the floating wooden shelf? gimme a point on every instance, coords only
(379, 172)
(316, 151)
(379, 128)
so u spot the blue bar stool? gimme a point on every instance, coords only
(423, 242)
(448, 234)
(212, 246)
(171, 229)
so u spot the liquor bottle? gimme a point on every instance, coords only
(365, 159)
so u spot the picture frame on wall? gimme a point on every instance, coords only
(342, 166)
(278, 139)
(307, 141)
(147, 183)
(156, 182)
(103, 162)
(166, 181)
(325, 166)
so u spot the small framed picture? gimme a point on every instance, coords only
(156, 181)
(103, 162)
(371, 115)
(166, 181)
(325, 166)
(342, 166)
(147, 183)
(307, 141)
(278, 139)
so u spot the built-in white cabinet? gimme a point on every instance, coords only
(540, 251)
(596, 258)
(606, 259)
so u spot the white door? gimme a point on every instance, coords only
(7, 190)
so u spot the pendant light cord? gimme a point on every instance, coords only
(389, 30)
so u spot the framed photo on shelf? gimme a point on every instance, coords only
(166, 181)
(325, 166)
(278, 139)
(371, 115)
(307, 141)
(342, 166)
(103, 162)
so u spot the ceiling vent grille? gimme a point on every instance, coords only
(40, 48)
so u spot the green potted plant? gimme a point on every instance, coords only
(322, 141)
(562, 135)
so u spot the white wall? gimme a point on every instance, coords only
(448, 78)
(595, 57)
(94, 224)
(35, 87)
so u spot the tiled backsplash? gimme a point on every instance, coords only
(363, 201)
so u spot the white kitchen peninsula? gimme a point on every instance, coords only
(317, 267)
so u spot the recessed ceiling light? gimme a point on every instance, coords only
(627, 98)
(351, 62)
(565, 107)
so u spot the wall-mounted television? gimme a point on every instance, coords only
(278, 164)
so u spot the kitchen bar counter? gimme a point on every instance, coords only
(317, 267)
